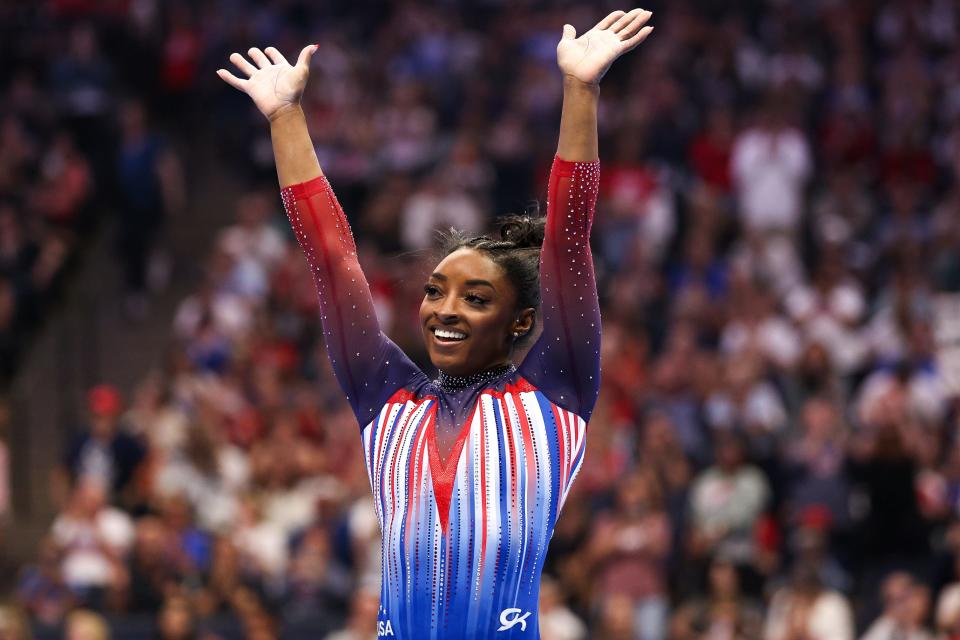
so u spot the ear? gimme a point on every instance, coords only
(524, 322)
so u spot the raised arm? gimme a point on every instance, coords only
(565, 361)
(369, 366)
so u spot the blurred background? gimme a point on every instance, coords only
(775, 452)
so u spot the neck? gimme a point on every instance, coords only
(449, 382)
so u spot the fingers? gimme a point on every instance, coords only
(569, 32)
(637, 39)
(634, 25)
(303, 60)
(231, 79)
(275, 56)
(610, 19)
(625, 20)
(242, 64)
(257, 56)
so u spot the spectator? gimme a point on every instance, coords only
(628, 551)
(557, 621)
(93, 540)
(817, 459)
(151, 186)
(209, 477)
(726, 500)
(316, 584)
(893, 532)
(725, 612)
(104, 453)
(253, 236)
(617, 620)
(805, 609)
(756, 328)
(439, 204)
(830, 312)
(747, 402)
(176, 620)
(42, 591)
(906, 606)
(948, 607)
(771, 164)
(154, 568)
(83, 624)
(711, 150)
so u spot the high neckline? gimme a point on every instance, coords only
(447, 382)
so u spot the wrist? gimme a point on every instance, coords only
(287, 111)
(572, 83)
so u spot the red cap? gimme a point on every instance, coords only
(104, 400)
(816, 516)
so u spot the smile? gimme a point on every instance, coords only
(448, 335)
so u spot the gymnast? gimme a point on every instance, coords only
(470, 470)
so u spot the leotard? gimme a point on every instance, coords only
(465, 536)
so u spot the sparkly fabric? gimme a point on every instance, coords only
(465, 532)
(450, 383)
(564, 362)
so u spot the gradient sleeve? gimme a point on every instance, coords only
(368, 366)
(564, 363)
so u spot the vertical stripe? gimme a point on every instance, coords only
(507, 487)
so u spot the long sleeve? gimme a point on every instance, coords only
(368, 366)
(564, 363)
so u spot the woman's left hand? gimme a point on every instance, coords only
(588, 57)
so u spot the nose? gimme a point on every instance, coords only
(446, 310)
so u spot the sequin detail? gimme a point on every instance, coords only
(448, 383)
(565, 361)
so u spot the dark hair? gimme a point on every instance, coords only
(517, 252)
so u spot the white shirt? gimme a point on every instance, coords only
(885, 629)
(85, 562)
(830, 617)
(771, 169)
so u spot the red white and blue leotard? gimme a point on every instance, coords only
(464, 538)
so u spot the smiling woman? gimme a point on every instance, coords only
(484, 290)
(469, 471)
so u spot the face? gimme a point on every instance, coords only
(469, 314)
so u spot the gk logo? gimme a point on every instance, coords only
(508, 622)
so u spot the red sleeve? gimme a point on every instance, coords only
(368, 366)
(564, 363)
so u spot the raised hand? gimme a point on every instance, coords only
(273, 84)
(588, 57)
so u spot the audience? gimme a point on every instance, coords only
(774, 452)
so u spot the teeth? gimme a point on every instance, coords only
(450, 335)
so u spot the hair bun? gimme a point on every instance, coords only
(525, 232)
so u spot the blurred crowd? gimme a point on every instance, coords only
(774, 454)
(75, 144)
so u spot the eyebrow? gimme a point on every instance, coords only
(469, 283)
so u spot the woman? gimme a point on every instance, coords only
(468, 471)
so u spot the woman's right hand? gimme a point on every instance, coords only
(273, 83)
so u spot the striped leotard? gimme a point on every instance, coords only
(465, 535)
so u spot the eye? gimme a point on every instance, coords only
(475, 299)
(431, 291)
